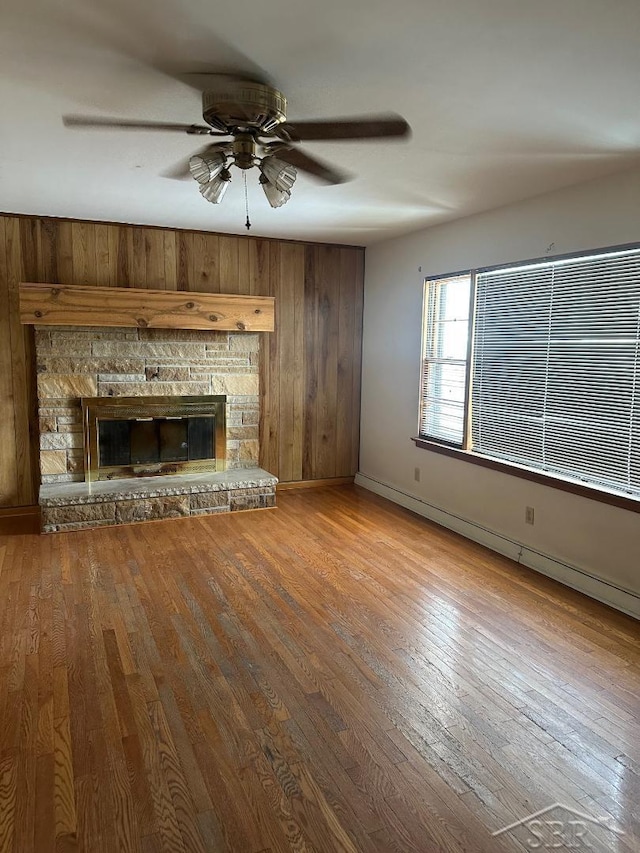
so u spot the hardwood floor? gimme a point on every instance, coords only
(336, 674)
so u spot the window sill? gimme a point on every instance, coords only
(555, 482)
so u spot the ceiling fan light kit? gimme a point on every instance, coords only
(206, 167)
(247, 111)
(215, 189)
(275, 197)
(282, 175)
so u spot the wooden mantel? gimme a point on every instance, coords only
(73, 305)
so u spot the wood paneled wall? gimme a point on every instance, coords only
(310, 366)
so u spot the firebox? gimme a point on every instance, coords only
(147, 436)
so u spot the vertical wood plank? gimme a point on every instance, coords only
(30, 392)
(260, 265)
(21, 366)
(137, 257)
(113, 238)
(203, 263)
(29, 247)
(8, 468)
(270, 389)
(298, 365)
(47, 250)
(183, 244)
(284, 341)
(24, 340)
(154, 249)
(83, 235)
(228, 264)
(244, 266)
(210, 264)
(346, 326)
(170, 260)
(356, 369)
(123, 270)
(290, 376)
(64, 253)
(261, 268)
(311, 363)
(103, 255)
(328, 295)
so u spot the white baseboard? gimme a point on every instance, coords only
(621, 599)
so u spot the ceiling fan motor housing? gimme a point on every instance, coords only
(244, 104)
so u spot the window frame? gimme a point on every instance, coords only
(464, 452)
(466, 433)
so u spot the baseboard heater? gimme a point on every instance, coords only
(576, 578)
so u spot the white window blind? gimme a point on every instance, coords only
(444, 361)
(556, 368)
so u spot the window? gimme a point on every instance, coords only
(444, 363)
(553, 384)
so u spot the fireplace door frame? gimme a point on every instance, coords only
(95, 409)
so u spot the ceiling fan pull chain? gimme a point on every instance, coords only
(246, 201)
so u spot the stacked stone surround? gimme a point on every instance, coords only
(103, 362)
(78, 506)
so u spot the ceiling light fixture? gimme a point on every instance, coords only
(215, 189)
(282, 175)
(209, 168)
(275, 197)
(206, 167)
(276, 179)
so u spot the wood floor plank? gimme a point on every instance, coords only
(64, 784)
(44, 838)
(177, 782)
(336, 675)
(8, 805)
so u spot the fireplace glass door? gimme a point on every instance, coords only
(145, 436)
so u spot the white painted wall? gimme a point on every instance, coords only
(601, 540)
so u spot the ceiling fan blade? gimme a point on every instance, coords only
(130, 124)
(317, 168)
(180, 171)
(367, 127)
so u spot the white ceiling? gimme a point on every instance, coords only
(507, 99)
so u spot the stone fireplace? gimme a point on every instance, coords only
(180, 414)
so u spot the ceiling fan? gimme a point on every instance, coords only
(250, 118)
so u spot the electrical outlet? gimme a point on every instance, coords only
(529, 515)
(416, 474)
